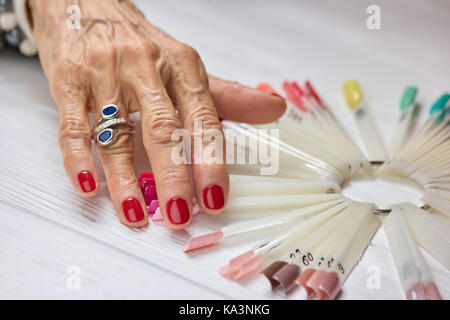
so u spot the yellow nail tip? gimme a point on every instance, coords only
(352, 93)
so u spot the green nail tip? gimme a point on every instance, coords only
(443, 114)
(440, 103)
(408, 97)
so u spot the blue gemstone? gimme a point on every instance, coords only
(109, 111)
(105, 135)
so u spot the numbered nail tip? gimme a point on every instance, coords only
(329, 285)
(109, 111)
(235, 263)
(202, 241)
(432, 291)
(314, 293)
(416, 292)
(302, 280)
(105, 136)
(286, 277)
(271, 270)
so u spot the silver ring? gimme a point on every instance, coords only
(109, 135)
(109, 126)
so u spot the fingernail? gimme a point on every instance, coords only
(276, 95)
(86, 181)
(132, 210)
(178, 211)
(213, 197)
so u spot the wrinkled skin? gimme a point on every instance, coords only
(119, 57)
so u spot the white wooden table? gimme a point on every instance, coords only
(45, 228)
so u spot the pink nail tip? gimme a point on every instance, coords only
(153, 206)
(235, 263)
(432, 291)
(202, 241)
(303, 279)
(329, 285)
(416, 292)
(248, 268)
(158, 216)
(195, 209)
(313, 284)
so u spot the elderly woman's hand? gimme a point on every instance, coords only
(118, 57)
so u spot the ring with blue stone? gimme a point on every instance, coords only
(108, 136)
(109, 111)
(109, 126)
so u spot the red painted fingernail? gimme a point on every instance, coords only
(276, 95)
(86, 181)
(178, 211)
(132, 210)
(213, 197)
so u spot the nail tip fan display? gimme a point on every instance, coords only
(310, 235)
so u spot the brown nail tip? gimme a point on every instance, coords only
(286, 276)
(271, 270)
(329, 285)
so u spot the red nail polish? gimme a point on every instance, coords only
(178, 211)
(276, 95)
(132, 210)
(86, 181)
(213, 197)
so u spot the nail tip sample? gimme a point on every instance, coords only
(202, 241)
(416, 292)
(286, 276)
(432, 291)
(235, 263)
(271, 270)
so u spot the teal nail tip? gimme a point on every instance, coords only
(408, 97)
(440, 103)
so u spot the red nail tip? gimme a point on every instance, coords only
(146, 183)
(178, 211)
(150, 194)
(213, 197)
(145, 175)
(132, 210)
(86, 181)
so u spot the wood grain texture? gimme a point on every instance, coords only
(46, 227)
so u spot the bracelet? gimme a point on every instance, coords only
(15, 28)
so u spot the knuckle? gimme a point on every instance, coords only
(71, 128)
(160, 124)
(101, 52)
(126, 179)
(184, 52)
(140, 48)
(121, 149)
(174, 175)
(206, 116)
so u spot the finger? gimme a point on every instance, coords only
(237, 102)
(75, 139)
(199, 116)
(159, 121)
(117, 161)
